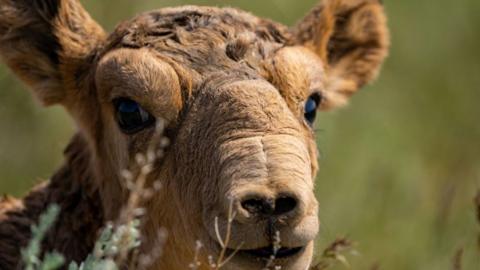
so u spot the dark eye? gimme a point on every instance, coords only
(311, 106)
(131, 117)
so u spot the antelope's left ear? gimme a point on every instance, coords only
(351, 38)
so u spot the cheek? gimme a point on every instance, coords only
(314, 155)
(112, 144)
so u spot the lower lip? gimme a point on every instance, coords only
(268, 252)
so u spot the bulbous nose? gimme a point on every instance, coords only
(262, 206)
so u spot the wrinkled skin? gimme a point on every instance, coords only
(231, 89)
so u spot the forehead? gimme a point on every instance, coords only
(201, 42)
(196, 34)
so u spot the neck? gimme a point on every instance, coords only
(81, 216)
(74, 189)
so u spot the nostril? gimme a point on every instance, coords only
(284, 205)
(264, 207)
(258, 206)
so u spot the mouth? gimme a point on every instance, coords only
(271, 252)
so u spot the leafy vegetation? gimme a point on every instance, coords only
(110, 243)
(31, 254)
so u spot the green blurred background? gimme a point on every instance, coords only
(400, 166)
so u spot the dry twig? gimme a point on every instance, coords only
(334, 253)
(457, 259)
(136, 182)
(476, 202)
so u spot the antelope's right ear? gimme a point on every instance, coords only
(45, 42)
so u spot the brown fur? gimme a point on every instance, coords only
(231, 88)
(75, 230)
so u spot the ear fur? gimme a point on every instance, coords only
(352, 39)
(45, 41)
